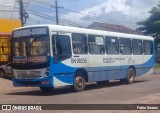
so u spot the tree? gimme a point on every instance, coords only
(151, 26)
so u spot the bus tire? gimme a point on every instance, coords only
(46, 89)
(2, 73)
(79, 81)
(130, 76)
(103, 82)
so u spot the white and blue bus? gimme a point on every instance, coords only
(47, 56)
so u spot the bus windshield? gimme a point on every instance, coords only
(30, 50)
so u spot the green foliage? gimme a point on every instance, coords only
(151, 26)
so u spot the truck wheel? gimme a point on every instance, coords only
(46, 89)
(79, 81)
(2, 74)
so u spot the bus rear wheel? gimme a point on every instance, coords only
(130, 76)
(46, 89)
(2, 74)
(79, 81)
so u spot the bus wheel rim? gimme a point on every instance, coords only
(79, 82)
(131, 75)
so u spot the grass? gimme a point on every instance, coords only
(157, 65)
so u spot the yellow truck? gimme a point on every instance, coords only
(6, 27)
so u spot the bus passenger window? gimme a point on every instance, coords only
(96, 44)
(63, 47)
(79, 42)
(125, 46)
(147, 47)
(137, 47)
(112, 45)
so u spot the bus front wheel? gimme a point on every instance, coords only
(46, 89)
(79, 81)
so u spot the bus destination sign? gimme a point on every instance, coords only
(30, 32)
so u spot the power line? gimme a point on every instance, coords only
(13, 8)
(51, 17)
(43, 3)
(27, 5)
(97, 18)
(61, 20)
(56, 8)
(90, 16)
(47, 17)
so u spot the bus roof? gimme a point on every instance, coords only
(67, 29)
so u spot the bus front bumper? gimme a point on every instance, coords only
(37, 82)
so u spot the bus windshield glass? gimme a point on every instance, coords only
(30, 50)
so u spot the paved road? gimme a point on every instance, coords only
(146, 90)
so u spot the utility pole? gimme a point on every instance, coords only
(57, 19)
(56, 7)
(21, 12)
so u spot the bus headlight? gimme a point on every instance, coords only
(46, 74)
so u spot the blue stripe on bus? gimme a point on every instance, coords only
(110, 72)
(60, 71)
(38, 82)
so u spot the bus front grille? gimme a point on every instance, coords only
(28, 75)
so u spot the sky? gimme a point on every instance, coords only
(80, 13)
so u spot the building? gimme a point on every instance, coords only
(112, 27)
(6, 27)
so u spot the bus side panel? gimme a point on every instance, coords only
(113, 69)
(138, 63)
(63, 74)
(149, 61)
(96, 61)
(106, 67)
(64, 71)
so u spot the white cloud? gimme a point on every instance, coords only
(132, 11)
(125, 12)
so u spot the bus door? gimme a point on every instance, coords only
(96, 55)
(113, 58)
(61, 67)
